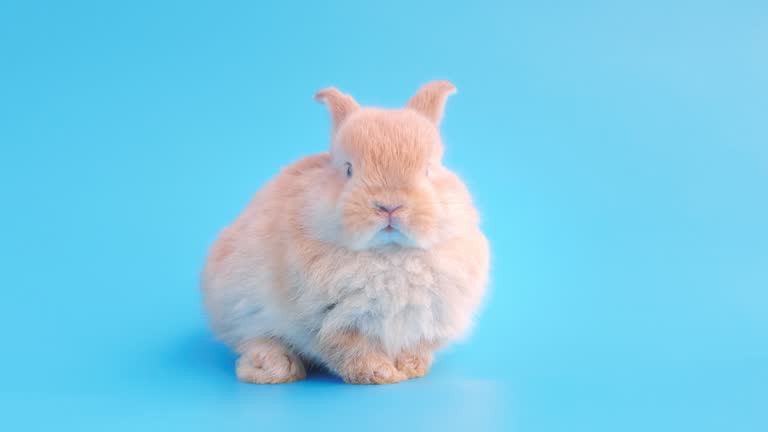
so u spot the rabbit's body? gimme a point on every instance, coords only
(290, 280)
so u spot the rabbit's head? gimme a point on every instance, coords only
(386, 184)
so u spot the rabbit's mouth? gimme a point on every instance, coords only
(392, 227)
(389, 235)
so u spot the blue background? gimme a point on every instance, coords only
(618, 152)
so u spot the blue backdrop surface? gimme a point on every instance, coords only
(618, 152)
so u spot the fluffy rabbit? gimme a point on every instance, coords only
(365, 259)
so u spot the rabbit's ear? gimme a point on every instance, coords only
(339, 104)
(430, 99)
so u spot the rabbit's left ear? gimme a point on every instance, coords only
(430, 99)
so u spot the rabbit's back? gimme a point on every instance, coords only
(244, 281)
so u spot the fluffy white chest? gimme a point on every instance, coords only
(393, 297)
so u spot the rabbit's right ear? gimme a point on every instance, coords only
(339, 104)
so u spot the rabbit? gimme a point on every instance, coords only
(366, 259)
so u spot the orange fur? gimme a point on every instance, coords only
(314, 267)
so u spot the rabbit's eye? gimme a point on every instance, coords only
(349, 169)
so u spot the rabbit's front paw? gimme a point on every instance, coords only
(371, 369)
(268, 362)
(413, 365)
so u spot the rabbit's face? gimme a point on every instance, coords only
(385, 184)
(385, 162)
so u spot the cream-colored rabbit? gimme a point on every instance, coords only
(365, 259)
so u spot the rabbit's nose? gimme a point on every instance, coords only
(389, 209)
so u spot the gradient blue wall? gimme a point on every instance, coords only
(618, 152)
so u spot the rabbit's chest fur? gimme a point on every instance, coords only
(401, 297)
